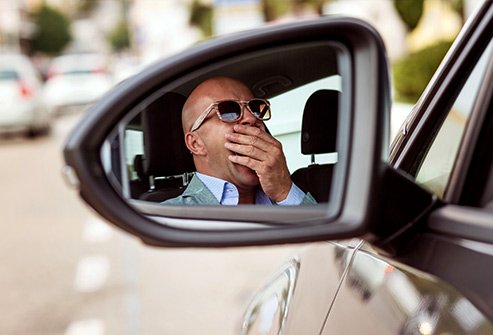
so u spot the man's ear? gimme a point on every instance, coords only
(195, 144)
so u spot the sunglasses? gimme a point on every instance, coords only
(232, 110)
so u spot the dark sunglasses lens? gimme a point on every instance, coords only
(260, 109)
(229, 110)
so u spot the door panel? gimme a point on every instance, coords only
(322, 267)
(382, 298)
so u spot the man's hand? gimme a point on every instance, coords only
(263, 154)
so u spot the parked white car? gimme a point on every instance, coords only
(75, 81)
(21, 105)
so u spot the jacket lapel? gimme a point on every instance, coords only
(198, 193)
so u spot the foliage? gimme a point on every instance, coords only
(457, 6)
(274, 9)
(413, 72)
(201, 17)
(85, 7)
(410, 11)
(52, 31)
(316, 4)
(119, 37)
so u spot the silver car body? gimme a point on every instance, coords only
(75, 81)
(21, 104)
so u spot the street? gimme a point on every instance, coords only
(65, 271)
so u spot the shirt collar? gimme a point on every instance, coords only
(215, 185)
(226, 193)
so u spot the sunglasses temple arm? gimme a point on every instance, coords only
(201, 119)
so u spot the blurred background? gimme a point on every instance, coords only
(64, 271)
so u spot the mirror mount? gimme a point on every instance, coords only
(402, 211)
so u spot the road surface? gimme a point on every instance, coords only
(65, 271)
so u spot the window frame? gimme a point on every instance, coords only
(408, 147)
(472, 172)
(475, 114)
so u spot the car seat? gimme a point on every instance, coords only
(167, 163)
(318, 136)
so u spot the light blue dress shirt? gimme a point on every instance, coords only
(227, 193)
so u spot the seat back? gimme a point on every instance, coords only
(166, 162)
(318, 136)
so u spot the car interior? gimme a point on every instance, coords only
(160, 178)
(164, 166)
(318, 136)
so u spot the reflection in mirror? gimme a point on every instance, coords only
(146, 157)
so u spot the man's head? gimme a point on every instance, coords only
(207, 141)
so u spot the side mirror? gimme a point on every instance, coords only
(130, 143)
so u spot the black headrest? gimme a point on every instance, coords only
(165, 152)
(319, 127)
(139, 166)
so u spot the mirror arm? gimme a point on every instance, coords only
(402, 212)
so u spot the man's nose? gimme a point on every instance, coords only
(248, 118)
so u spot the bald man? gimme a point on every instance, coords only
(237, 161)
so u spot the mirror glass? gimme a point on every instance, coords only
(307, 84)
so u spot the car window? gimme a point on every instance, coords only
(134, 146)
(435, 170)
(8, 75)
(287, 114)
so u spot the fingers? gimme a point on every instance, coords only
(252, 136)
(261, 147)
(247, 150)
(255, 143)
(273, 175)
(249, 162)
(263, 154)
(254, 132)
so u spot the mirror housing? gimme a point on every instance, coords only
(367, 131)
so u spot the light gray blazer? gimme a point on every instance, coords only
(197, 193)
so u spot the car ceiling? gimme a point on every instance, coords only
(274, 71)
(267, 73)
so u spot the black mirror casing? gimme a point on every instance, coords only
(367, 132)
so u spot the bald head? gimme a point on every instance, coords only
(209, 91)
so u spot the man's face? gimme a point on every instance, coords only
(213, 133)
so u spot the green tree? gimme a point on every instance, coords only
(274, 9)
(318, 5)
(410, 11)
(413, 72)
(201, 17)
(458, 6)
(52, 31)
(85, 7)
(119, 38)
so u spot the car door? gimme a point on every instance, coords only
(441, 282)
